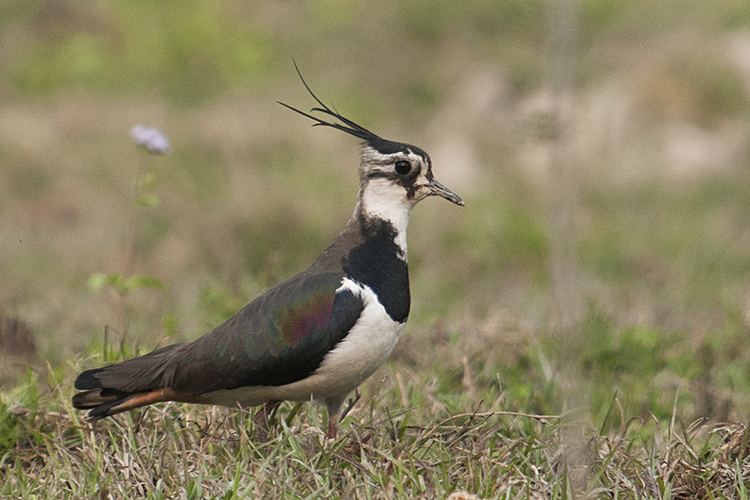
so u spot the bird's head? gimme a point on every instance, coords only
(404, 169)
(393, 175)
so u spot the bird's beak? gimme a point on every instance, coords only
(438, 189)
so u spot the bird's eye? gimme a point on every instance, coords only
(402, 167)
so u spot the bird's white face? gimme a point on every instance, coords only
(400, 176)
(393, 180)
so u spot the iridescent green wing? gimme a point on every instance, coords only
(280, 337)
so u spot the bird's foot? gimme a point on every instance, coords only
(333, 428)
(335, 415)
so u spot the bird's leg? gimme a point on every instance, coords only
(262, 419)
(334, 408)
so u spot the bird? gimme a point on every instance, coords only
(313, 337)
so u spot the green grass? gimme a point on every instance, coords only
(406, 437)
(475, 406)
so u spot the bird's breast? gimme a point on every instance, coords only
(367, 345)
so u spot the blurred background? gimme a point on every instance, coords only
(602, 148)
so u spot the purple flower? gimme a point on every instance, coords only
(152, 139)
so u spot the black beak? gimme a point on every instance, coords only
(438, 189)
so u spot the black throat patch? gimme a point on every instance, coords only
(376, 263)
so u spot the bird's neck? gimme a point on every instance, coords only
(378, 223)
(379, 261)
(371, 251)
(379, 202)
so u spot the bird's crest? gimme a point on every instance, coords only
(345, 125)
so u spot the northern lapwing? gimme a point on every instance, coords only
(316, 336)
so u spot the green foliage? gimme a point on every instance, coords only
(186, 51)
(263, 246)
(508, 237)
(28, 182)
(10, 431)
(216, 304)
(121, 284)
(628, 361)
(23, 399)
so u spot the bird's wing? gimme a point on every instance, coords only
(280, 337)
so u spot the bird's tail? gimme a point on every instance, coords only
(124, 386)
(103, 403)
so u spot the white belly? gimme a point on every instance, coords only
(356, 357)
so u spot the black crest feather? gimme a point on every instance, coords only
(349, 126)
(346, 125)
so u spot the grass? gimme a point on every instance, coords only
(485, 415)
(404, 438)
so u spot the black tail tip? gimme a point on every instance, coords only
(87, 380)
(102, 411)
